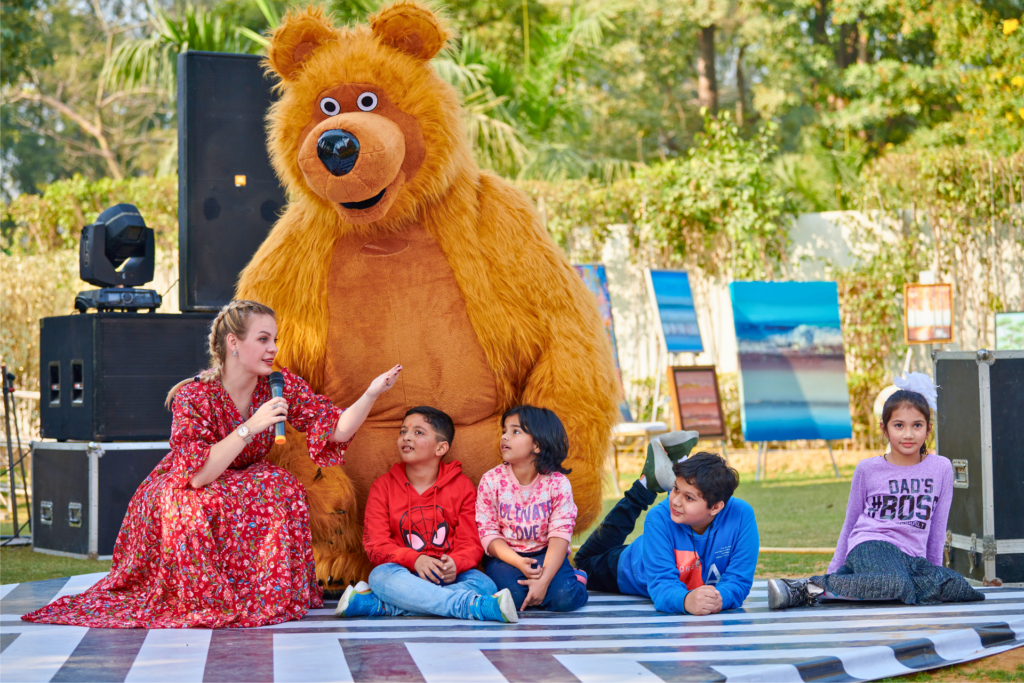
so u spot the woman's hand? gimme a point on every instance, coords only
(384, 382)
(356, 414)
(269, 414)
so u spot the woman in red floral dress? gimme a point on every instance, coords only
(216, 535)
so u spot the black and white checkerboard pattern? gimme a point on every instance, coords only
(614, 638)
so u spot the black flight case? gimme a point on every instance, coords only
(980, 427)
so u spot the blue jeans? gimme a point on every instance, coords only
(405, 594)
(565, 594)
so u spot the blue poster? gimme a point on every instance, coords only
(596, 280)
(678, 316)
(792, 364)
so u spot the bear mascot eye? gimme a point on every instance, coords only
(330, 106)
(367, 101)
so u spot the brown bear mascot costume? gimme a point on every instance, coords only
(396, 248)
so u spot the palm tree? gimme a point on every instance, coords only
(554, 122)
(152, 61)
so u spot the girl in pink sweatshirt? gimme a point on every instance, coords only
(525, 514)
(891, 544)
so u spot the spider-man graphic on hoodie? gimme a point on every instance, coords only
(425, 526)
(401, 524)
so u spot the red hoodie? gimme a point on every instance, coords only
(400, 524)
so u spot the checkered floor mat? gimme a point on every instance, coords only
(614, 638)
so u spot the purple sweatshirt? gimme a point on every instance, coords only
(905, 506)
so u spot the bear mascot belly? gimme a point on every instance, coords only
(396, 248)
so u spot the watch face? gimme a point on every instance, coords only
(243, 431)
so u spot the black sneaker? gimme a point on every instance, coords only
(784, 593)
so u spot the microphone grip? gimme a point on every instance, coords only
(277, 391)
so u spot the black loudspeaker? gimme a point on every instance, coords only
(980, 427)
(104, 376)
(228, 195)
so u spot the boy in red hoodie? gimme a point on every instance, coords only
(420, 532)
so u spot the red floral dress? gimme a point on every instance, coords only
(235, 553)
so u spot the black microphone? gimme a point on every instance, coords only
(277, 391)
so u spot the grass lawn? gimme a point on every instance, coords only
(18, 565)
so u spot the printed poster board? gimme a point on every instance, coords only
(792, 364)
(696, 403)
(928, 314)
(670, 291)
(1010, 331)
(596, 280)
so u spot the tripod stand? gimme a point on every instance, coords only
(8, 392)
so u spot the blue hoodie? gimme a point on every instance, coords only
(669, 559)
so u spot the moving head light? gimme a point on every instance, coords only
(117, 252)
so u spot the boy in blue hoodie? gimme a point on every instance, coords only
(699, 547)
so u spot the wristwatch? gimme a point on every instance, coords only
(244, 434)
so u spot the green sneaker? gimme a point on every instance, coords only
(658, 469)
(678, 444)
(662, 452)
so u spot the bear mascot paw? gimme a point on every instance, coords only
(396, 248)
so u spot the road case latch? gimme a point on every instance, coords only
(46, 512)
(74, 514)
(960, 478)
(988, 545)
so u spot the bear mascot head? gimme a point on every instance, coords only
(396, 248)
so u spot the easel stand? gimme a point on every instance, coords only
(762, 470)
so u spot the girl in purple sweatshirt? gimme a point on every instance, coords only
(891, 544)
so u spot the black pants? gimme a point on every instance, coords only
(876, 570)
(599, 556)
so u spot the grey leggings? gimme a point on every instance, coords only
(876, 570)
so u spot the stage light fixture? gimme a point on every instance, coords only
(117, 253)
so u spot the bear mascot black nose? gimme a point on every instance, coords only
(338, 150)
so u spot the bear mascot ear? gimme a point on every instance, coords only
(411, 28)
(296, 39)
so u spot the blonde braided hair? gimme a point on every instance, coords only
(235, 319)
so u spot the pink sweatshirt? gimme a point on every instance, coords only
(525, 516)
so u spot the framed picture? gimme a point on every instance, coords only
(792, 362)
(670, 291)
(927, 314)
(696, 402)
(1010, 331)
